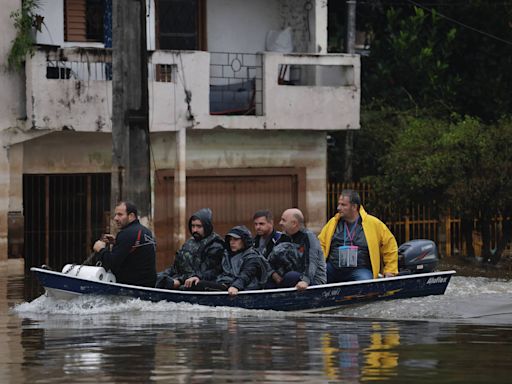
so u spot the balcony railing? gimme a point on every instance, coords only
(236, 83)
(71, 88)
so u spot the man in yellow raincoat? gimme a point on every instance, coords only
(356, 245)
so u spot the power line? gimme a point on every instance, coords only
(460, 23)
(430, 10)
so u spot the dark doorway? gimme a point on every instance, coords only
(63, 216)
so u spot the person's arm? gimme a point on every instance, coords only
(316, 257)
(214, 262)
(322, 238)
(114, 258)
(388, 252)
(249, 270)
(183, 267)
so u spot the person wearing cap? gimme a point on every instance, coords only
(357, 246)
(243, 268)
(266, 235)
(297, 260)
(199, 258)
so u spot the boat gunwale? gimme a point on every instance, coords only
(249, 292)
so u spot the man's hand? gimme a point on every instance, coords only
(301, 285)
(98, 246)
(191, 281)
(175, 283)
(389, 274)
(232, 291)
(277, 279)
(108, 238)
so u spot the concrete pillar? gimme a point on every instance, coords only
(4, 199)
(180, 187)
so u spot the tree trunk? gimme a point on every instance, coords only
(485, 229)
(505, 237)
(467, 234)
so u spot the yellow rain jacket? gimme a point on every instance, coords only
(381, 242)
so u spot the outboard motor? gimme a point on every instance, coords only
(417, 256)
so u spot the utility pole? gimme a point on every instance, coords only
(130, 116)
(350, 42)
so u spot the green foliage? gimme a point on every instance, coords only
(409, 62)
(461, 164)
(26, 22)
(436, 125)
(425, 60)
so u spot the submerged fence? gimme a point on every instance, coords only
(419, 222)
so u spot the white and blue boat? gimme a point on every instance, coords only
(314, 299)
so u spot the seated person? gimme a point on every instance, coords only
(131, 255)
(199, 258)
(266, 236)
(297, 260)
(243, 268)
(357, 246)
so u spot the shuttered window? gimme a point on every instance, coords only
(83, 20)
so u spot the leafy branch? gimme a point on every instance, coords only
(27, 22)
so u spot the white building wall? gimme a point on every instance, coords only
(240, 25)
(52, 32)
(11, 108)
(11, 82)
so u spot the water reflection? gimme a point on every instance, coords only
(190, 344)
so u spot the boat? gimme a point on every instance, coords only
(318, 298)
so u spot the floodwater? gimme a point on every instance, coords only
(464, 336)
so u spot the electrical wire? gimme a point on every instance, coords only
(460, 23)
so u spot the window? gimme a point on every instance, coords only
(180, 24)
(83, 20)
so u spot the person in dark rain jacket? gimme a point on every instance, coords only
(243, 268)
(199, 258)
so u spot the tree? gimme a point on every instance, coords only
(460, 165)
(449, 56)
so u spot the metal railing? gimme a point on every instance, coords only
(236, 83)
(419, 221)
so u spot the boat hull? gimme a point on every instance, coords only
(315, 299)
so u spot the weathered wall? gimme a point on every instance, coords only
(68, 152)
(255, 149)
(11, 108)
(205, 150)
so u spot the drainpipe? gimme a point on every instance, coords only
(350, 42)
(350, 32)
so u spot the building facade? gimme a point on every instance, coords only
(250, 81)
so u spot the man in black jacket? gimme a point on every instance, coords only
(199, 258)
(131, 255)
(266, 235)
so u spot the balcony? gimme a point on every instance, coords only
(72, 89)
